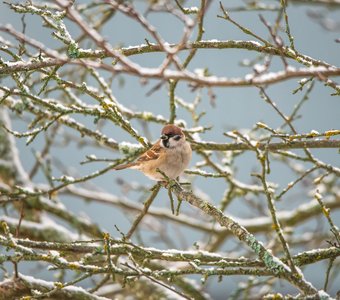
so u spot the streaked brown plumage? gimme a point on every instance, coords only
(171, 154)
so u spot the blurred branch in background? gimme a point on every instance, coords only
(62, 96)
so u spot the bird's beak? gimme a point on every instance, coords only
(164, 137)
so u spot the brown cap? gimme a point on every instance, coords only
(171, 129)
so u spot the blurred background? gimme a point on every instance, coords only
(315, 29)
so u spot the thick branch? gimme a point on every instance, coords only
(204, 257)
(270, 261)
(157, 73)
(18, 287)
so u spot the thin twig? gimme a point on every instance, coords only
(155, 189)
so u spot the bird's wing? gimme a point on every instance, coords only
(152, 154)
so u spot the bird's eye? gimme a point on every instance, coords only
(177, 137)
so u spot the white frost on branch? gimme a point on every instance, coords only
(69, 291)
(127, 148)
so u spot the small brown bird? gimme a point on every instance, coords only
(171, 154)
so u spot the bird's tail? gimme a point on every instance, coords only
(126, 166)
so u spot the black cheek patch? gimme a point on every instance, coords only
(166, 143)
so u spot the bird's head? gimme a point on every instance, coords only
(172, 136)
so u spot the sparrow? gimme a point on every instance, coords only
(171, 154)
